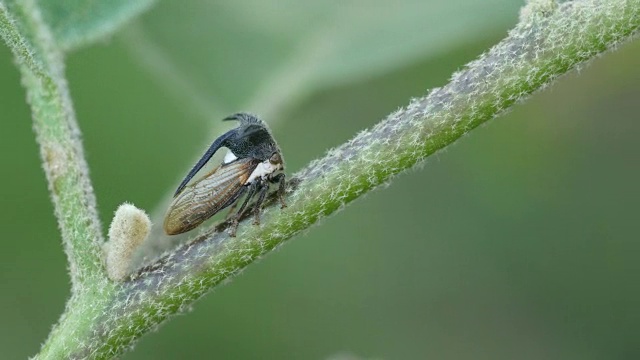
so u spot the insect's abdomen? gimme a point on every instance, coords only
(207, 196)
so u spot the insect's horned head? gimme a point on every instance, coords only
(276, 159)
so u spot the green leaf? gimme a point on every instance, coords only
(78, 22)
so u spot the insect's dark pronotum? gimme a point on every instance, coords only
(252, 163)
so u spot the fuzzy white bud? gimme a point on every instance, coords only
(129, 229)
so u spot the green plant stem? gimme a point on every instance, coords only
(549, 41)
(58, 137)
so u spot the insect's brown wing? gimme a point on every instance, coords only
(207, 196)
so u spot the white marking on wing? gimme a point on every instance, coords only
(229, 157)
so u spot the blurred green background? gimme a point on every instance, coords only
(515, 243)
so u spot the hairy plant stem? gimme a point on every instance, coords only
(104, 318)
(58, 135)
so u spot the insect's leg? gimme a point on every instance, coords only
(281, 188)
(234, 222)
(232, 228)
(252, 191)
(231, 210)
(258, 205)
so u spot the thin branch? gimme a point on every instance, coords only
(549, 41)
(10, 32)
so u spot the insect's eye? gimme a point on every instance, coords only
(275, 159)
